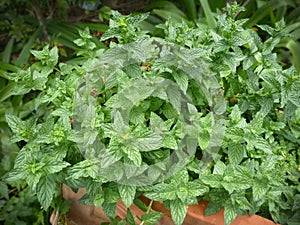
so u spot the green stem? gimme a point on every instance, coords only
(148, 210)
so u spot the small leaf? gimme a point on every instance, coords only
(182, 80)
(235, 114)
(196, 188)
(152, 218)
(109, 209)
(122, 222)
(236, 153)
(134, 155)
(204, 139)
(178, 211)
(140, 204)
(214, 181)
(266, 105)
(235, 134)
(129, 217)
(127, 193)
(219, 168)
(4, 190)
(14, 122)
(212, 208)
(98, 199)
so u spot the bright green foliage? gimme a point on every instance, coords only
(179, 192)
(147, 116)
(124, 28)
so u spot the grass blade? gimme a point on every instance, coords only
(6, 92)
(191, 9)
(294, 47)
(264, 10)
(211, 22)
(168, 6)
(166, 14)
(7, 51)
(8, 67)
(25, 53)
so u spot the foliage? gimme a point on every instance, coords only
(30, 25)
(148, 115)
(256, 12)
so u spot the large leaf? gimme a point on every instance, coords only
(230, 212)
(45, 191)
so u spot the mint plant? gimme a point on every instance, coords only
(199, 113)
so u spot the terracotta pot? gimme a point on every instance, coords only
(89, 215)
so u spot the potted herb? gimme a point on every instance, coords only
(196, 113)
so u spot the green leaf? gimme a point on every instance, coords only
(127, 193)
(111, 33)
(147, 143)
(262, 144)
(167, 14)
(204, 139)
(178, 211)
(219, 168)
(230, 212)
(140, 204)
(129, 217)
(122, 222)
(259, 190)
(98, 199)
(163, 192)
(134, 155)
(235, 114)
(236, 153)
(212, 208)
(296, 205)
(151, 218)
(235, 134)
(181, 79)
(191, 9)
(52, 165)
(46, 56)
(45, 190)
(4, 190)
(196, 188)
(14, 122)
(86, 168)
(266, 105)
(109, 208)
(214, 180)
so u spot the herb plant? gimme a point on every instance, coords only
(199, 113)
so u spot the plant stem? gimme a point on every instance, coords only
(148, 210)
